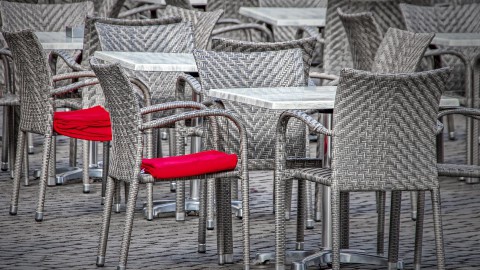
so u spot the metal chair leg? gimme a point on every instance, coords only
(106, 166)
(417, 260)
(30, 143)
(202, 218)
(127, 233)
(300, 213)
(451, 127)
(107, 213)
(310, 222)
(5, 138)
(381, 222)
(413, 202)
(118, 197)
(437, 222)
(394, 235)
(210, 204)
(86, 163)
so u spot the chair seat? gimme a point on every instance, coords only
(189, 165)
(458, 170)
(319, 175)
(91, 124)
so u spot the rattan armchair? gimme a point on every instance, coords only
(398, 158)
(38, 105)
(127, 152)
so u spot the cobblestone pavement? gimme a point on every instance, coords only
(68, 237)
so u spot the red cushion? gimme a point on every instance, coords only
(189, 165)
(91, 124)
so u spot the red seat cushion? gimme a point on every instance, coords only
(91, 124)
(189, 165)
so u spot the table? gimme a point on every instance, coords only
(323, 98)
(59, 41)
(278, 16)
(150, 61)
(466, 40)
(156, 62)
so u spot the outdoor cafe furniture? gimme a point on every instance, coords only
(127, 152)
(37, 110)
(446, 20)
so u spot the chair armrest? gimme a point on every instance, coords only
(310, 31)
(310, 122)
(73, 75)
(324, 76)
(171, 106)
(71, 87)
(143, 88)
(245, 26)
(229, 21)
(67, 58)
(6, 52)
(468, 112)
(192, 82)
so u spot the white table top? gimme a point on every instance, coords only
(59, 41)
(162, 2)
(457, 39)
(278, 16)
(147, 61)
(298, 98)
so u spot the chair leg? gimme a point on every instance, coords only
(417, 260)
(86, 163)
(126, 190)
(220, 220)
(43, 177)
(150, 201)
(202, 218)
(106, 166)
(246, 219)
(318, 202)
(5, 138)
(180, 201)
(13, 126)
(210, 204)
(127, 233)
(300, 212)
(413, 202)
(107, 213)
(52, 165)
(288, 198)
(17, 172)
(381, 195)
(336, 234)
(451, 127)
(227, 223)
(279, 222)
(30, 142)
(25, 168)
(394, 235)
(344, 220)
(118, 197)
(309, 223)
(437, 222)
(234, 190)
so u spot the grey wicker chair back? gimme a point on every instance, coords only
(231, 7)
(179, 3)
(447, 19)
(401, 51)
(288, 33)
(34, 77)
(392, 114)
(167, 38)
(307, 45)
(43, 17)
(253, 70)
(122, 103)
(364, 37)
(202, 22)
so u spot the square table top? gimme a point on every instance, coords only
(457, 39)
(151, 61)
(278, 16)
(59, 41)
(162, 2)
(298, 98)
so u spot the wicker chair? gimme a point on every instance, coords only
(38, 105)
(128, 130)
(179, 3)
(384, 100)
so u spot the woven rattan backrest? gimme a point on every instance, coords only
(253, 70)
(35, 82)
(171, 38)
(384, 128)
(364, 37)
(43, 17)
(179, 3)
(202, 22)
(287, 33)
(419, 19)
(168, 38)
(231, 7)
(401, 51)
(122, 104)
(307, 45)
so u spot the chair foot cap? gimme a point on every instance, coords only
(100, 261)
(39, 216)
(117, 208)
(13, 210)
(202, 248)
(180, 216)
(210, 224)
(86, 188)
(121, 267)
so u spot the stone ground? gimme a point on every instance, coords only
(68, 237)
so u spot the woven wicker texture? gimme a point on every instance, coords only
(167, 38)
(447, 19)
(179, 3)
(394, 115)
(364, 37)
(202, 23)
(400, 51)
(258, 69)
(35, 80)
(307, 45)
(288, 33)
